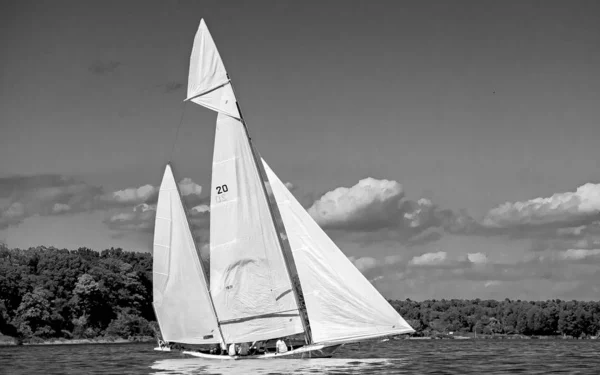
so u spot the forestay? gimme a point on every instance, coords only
(181, 298)
(342, 304)
(249, 283)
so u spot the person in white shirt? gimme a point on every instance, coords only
(232, 350)
(281, 346)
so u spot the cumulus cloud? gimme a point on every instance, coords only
(367, 205)
(131, 196)
(365, 263)
(579, 254)
(477, 258)
(377, 210)
(189, 187)
(200, 209)
(60, 207)
(141, 218)
(25, 196)
(567, 207)
(429, 259)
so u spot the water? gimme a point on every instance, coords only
(391, 357)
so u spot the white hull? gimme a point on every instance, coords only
(310, 351)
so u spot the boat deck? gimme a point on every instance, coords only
(309, 351)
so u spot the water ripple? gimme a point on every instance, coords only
(391, 357)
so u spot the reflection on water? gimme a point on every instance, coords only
(275, 366)
(459, 357)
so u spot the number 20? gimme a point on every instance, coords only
(222, 189)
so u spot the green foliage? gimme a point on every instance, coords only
(57, 293)
(553, 317)
(128, 325)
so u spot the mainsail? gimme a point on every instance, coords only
(250, 286)
(342, 304)
(181, 298)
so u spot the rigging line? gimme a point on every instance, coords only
(177, 132)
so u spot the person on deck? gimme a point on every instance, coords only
(244, 348)
(257, 347)
(232, 350)
(281, 346)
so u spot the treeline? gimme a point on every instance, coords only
(56, 293)
(50, 293)
(540, 318)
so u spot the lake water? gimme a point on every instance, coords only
(391, 357)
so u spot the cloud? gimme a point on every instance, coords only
(131, 196)
(187, 187)
(12, 215)
(429, 259)
(140, 219)
(104, 67)
(563, 208)
(477, 258)
(44, 195)
(439, 275)
(60, 208)
(365, 263)
(368, 205)
(580, 254)
(378, 211)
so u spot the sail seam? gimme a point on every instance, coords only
(262, 316)
(224, 161)
(207, 91)
(223, 244)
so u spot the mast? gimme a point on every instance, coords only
(187, 219)
(287, 261)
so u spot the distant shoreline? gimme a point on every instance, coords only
(13, 341)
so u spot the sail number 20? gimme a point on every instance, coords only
(222, 189)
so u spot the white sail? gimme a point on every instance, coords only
(181, 299)
(208, 83)
(249, 283)
(342, 304)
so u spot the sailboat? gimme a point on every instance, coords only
(274, 273)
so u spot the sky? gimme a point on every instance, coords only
(448, 148)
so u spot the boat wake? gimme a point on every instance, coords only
(284, 366)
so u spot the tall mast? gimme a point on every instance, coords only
(296, 287)
(187, 219)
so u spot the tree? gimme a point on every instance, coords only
(34, 314)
